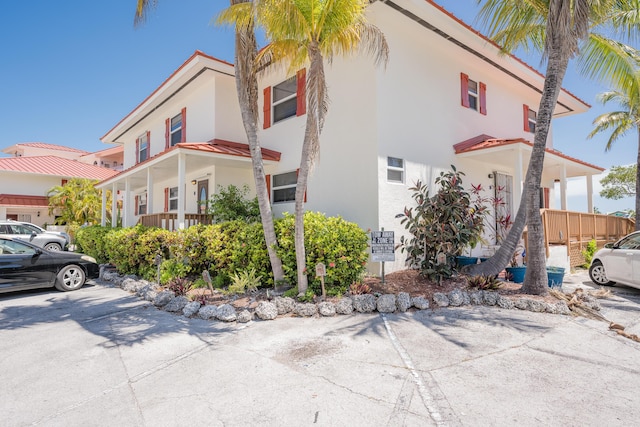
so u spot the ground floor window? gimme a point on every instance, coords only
(284, 187)
(173, 198)
(142, 203)
(395, 170)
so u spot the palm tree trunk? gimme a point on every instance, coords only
(247, 88)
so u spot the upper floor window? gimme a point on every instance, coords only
(176, 129)
(473, 94)
(143, 148)
(285, 99)
(284, 187)
(530, 119)
(395, 170)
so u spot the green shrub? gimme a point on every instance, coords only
(91, 241)
(231, 203)
(339, 244)
(588, 252)
(441, 226)
(244, 281)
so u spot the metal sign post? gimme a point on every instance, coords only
(382, 247)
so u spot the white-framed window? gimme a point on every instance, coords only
(284, 187)
(142, 203)
(176, 129)
(173, 198)
(395, 170)
(532, 116)
(473, 94)
(143, 148)
(284, 99)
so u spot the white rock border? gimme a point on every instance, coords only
(366, 303)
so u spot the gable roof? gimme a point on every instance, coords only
(56, 166)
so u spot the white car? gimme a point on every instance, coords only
(618, 262)
(49, 240)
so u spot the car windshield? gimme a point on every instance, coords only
(630, 242)
(32, 228)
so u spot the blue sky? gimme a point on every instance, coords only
(71, 69)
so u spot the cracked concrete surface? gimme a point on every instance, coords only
(99, 356)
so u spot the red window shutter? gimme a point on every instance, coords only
(301, 92)
(266, 108)
(166, 199)
(483, 98)
(464, 90)
(148, 144)
(268, 179)
(525, 114)
(135, 203)
(137, 150)
(167, 133)
(184, 125)
(305, 190)
(64, 182)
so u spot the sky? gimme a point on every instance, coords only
(70, 70)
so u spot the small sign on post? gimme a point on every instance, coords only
(382, 247)
(321, 271)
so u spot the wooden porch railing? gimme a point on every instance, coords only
(169, 220)
(575, 229)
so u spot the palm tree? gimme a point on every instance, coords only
(247, 89)
(77, 202)
(304, 32)
(620, 122)
(557, 27)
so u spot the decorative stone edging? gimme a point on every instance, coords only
(366, 303)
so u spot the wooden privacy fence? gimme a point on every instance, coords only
(169, 221)
(576, 229)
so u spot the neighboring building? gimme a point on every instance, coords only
(37, 167)
(447, 97)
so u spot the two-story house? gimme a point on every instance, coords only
(446, 97)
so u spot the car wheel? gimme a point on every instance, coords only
(598, 275)
(53, 247)
(70, 278)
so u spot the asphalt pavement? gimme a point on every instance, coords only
(102, 357)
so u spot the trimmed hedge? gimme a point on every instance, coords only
(230, 247)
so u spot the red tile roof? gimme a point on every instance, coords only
(53, 165)
(482, 142)
(21, 200)
(50, 147)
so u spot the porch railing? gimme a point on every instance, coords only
(169, 220)
(576, 229)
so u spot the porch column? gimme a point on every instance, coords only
(181, 190)
(126, 205)
(114, 205)
(590, 193)
(563, 187)
(149, 191)
(519, 180)
(103, 208)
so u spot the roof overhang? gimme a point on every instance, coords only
(19, 200)
(198, 155)
(435, 18)
(198, 64)
(507, 153)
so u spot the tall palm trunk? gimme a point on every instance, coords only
(247, 88)
(316, 92)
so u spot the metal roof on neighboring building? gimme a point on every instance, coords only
(49, 147)
(22, 200)
(56, 166)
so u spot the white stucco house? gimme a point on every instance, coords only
(445, 98)
(33, 168)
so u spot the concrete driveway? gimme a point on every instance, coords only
(101, 357)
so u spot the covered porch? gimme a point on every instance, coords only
(170, 189)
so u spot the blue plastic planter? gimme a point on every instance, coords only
(516, 274)
(555, 276)
(461, 261)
